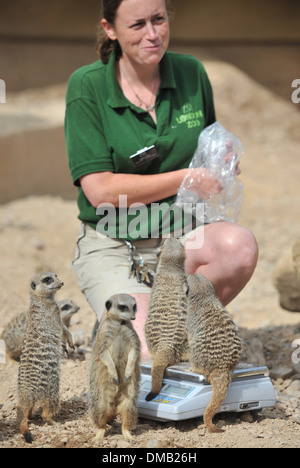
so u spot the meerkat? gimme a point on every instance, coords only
(39, 370)
(14, 332)
(165, 328)
(13, 336)
(115, 368)
(67, 308)
(215, 346)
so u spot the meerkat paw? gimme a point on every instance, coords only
(128, 436)
(50, 422)
(47, 418)
(215, 430)
(196, 370)
(99, 437)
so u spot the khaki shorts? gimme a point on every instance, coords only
(102, 266)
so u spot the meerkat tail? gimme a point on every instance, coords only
(160, 363)
(220, 381)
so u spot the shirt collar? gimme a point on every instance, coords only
(116, 97)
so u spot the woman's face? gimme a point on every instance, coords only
(142, 29)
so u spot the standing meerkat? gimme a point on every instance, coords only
(46, 336)
(14, 333)
(214, 344)
(115, 367)
(165, 327)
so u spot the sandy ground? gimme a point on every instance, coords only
(39, 234)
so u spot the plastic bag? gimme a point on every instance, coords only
(218, 151)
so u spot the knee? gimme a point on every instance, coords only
(242, 249)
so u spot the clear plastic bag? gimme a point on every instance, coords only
(218, 151)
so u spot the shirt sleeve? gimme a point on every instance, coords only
(209, 111)
(87, 148)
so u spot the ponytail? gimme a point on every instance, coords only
(106, 47)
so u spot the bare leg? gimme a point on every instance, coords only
(227, 258)
(142, 301)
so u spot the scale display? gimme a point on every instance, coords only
(186, 395)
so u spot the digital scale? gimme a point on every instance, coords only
(186, 394)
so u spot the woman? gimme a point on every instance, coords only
(141, 96)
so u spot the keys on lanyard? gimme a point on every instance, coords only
(137, 267)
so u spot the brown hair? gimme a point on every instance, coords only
(105, 45)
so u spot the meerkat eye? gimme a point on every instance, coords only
(33, 286)
(47, 280)
(66, 307)
(122, 308)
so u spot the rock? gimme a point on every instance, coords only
(123, 444)
(296, 256)
(152, 444)
(287, 281)
(281, 372)
(247, 417)
(79, 337)
(38, 244)
(294, 389)
(8, 407)
(296, 418)
(255, 352)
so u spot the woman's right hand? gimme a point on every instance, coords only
(204, 183)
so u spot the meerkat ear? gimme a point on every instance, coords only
(33, 286)
(108, 305)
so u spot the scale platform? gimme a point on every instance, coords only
(186, 395)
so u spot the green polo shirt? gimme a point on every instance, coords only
(103, 129)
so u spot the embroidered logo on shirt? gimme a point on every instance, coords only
(190, 117)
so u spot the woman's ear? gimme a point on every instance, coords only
(109, 29)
